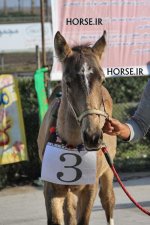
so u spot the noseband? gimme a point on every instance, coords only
(88, 112)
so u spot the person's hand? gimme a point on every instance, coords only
(115, 127)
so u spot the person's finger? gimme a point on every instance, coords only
(107, 127)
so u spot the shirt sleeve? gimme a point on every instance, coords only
(139, 124)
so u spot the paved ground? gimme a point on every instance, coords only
(25, 205)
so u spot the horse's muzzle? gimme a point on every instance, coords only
(92, 142)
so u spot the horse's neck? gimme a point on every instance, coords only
(67, 126)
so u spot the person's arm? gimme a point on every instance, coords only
(138, 125)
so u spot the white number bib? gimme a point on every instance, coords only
(61, 166)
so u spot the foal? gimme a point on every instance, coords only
(84, 105)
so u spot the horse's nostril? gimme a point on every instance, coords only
(96, 138)
(93, 139)
(86, 136)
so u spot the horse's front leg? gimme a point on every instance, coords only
(70, 209)
(54, 205)
(85, 204)
(107, 195)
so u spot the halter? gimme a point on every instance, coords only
(88, 112)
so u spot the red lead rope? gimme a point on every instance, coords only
(105, 151)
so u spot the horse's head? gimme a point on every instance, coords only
(82, 86)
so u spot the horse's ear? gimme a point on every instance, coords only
(62, 49)
(100, 45)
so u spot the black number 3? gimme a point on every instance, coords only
(78, 171)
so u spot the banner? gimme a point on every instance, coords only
(24, 37)
(12, 134)
(127, 24)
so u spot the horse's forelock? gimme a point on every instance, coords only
(81, 54)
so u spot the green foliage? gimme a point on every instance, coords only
(131, 156)
(123, 111)
(31, 120)
(126, 89)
